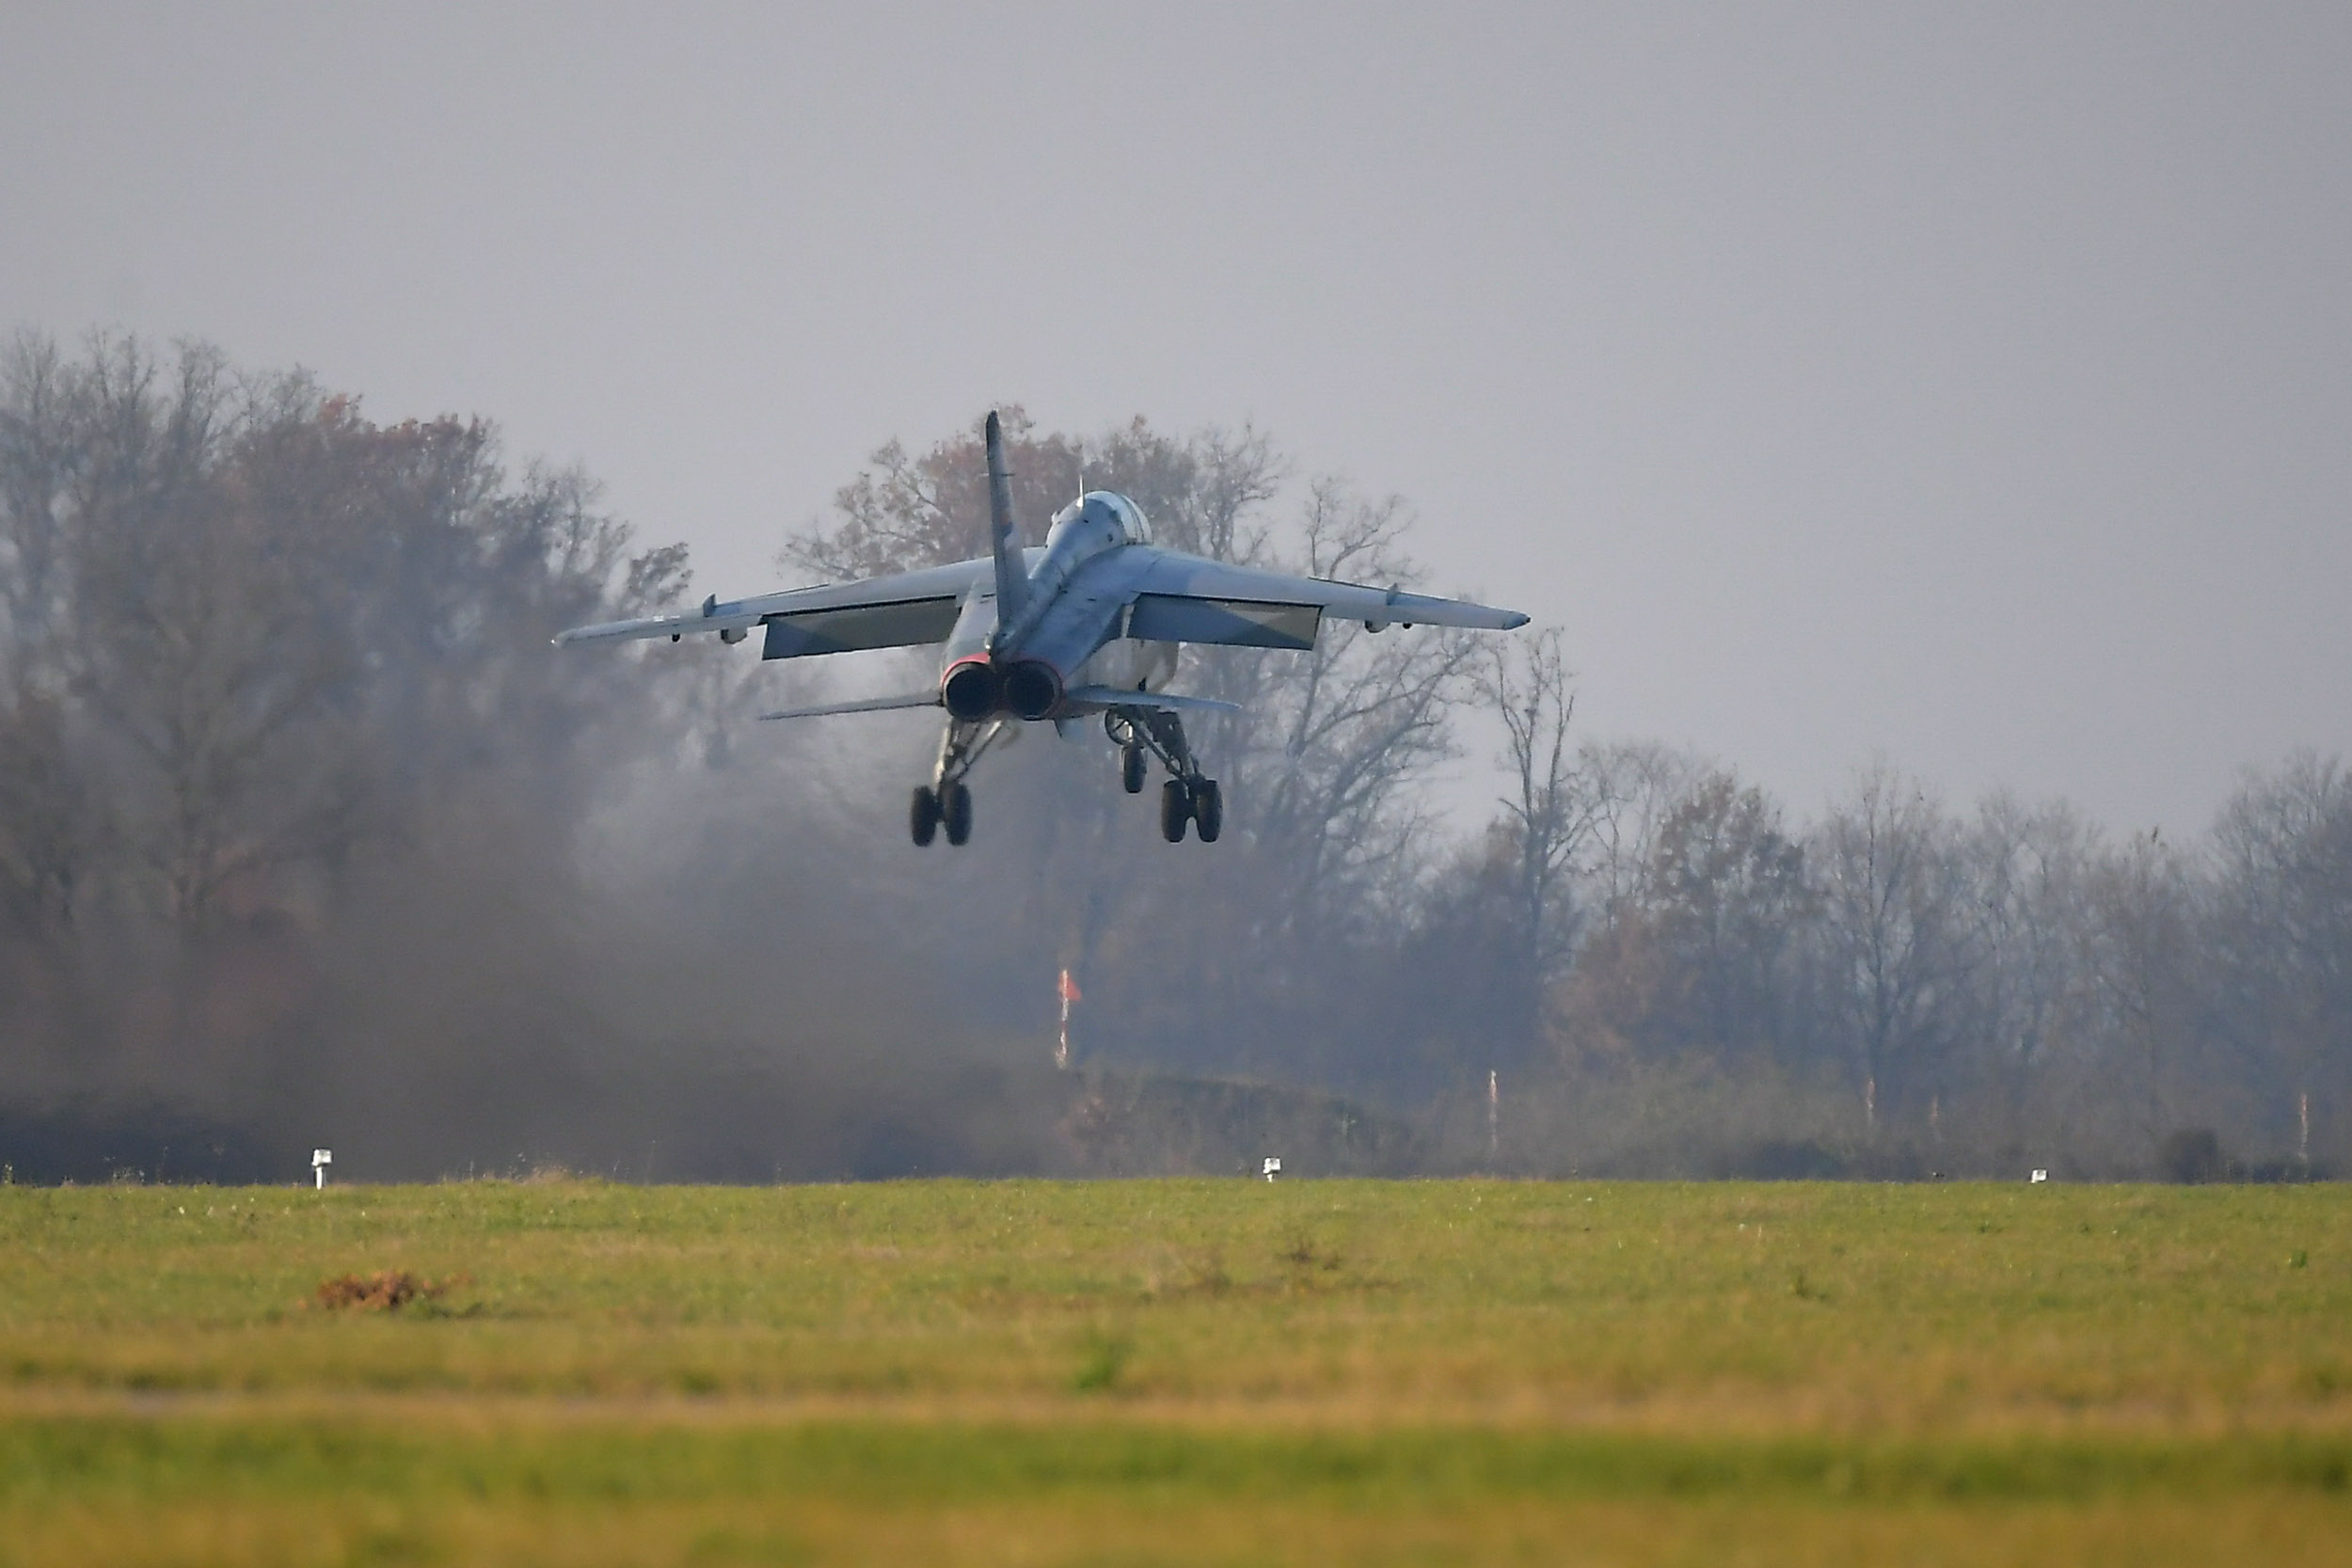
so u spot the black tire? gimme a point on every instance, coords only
(1208, 810)
(1175, 810)
(1131, 766)
(957, 811)
(923, 816)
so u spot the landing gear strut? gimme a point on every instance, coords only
(1188, 796)
(946, 801)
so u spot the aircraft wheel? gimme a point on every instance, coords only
(1130, 764)
(1175, 810)
(923, 816)
(1208, 810)
(957, 810)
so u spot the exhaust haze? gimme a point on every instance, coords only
(308, 836)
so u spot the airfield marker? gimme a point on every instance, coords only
(1069, 993)
(1272, 1168)
(320, 1160)
(1494, 1117)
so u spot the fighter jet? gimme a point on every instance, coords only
(1088, 625)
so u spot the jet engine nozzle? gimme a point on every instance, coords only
(972, 689)
(1032, 689)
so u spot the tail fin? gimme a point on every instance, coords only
(1013, 573)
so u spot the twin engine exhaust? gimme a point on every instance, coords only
(977, 689)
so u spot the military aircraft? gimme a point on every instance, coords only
(1088, 625)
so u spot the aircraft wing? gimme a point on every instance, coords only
(895, 611)
(1184, 598)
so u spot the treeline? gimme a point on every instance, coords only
(308, 836)
(1904, 988)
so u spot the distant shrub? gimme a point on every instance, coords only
(386, 1290)
(1780, 1160)
(92, 1140)
(2191, 1154)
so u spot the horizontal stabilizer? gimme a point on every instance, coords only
(1096, 698)
(865, 704)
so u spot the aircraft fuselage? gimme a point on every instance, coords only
(1071, 631)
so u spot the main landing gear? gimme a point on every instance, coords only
(933, 811)
(1143, 732)
(1196, 801)
(946, 801)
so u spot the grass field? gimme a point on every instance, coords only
(1180, 1371)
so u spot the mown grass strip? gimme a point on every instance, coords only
(49, 1460)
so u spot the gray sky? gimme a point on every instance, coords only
(1970, 385)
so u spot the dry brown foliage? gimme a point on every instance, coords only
(386, 1290)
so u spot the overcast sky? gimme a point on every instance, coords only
(1969, 385)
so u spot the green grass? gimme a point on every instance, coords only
(1175, 1371)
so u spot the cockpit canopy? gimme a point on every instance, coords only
(1098, 520)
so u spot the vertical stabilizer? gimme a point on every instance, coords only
(1013, 571)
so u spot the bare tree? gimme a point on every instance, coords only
(51, 822)
(2144, 960)
(1635, 786)
(2280, 936)
(1336, 736)
(1706, 962)
(242, 619)
(907, 511)
(1894, 918)
(1554, 805)
(39, 455)
(2027, 871)
(1556, 801)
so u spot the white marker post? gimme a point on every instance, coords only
(320, 1160)
(1272, 1168)
(1069, 993)
(2039, 1176)
(1494, 1118)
